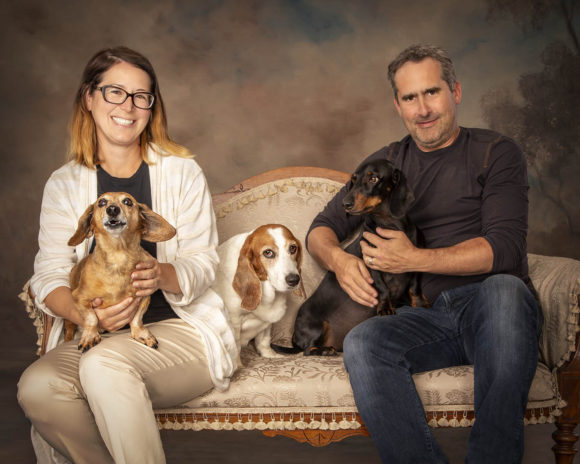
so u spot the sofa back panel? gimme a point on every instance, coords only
(292, 202)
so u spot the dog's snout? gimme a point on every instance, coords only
(292, 280)
(113, 210)
(348, 203)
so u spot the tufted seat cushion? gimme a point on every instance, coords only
(318, 384)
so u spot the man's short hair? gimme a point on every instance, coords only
(417, 53)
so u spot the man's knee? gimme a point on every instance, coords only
(354, 345)
(509, 301)
(509, 318)
(507, 289)
(371, 339)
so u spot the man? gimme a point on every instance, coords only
(470, 189)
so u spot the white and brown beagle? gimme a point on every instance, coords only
(257, 270)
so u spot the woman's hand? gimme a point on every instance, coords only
(151, 275)
(147, 277)
(117, 316)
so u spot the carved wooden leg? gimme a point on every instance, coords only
(569, 385)
(565, 439)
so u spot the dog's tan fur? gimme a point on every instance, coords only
(106, 273)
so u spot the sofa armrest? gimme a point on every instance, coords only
(557, 281)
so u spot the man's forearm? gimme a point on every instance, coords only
(324, 246)
(474, 256)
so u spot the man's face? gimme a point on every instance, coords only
(426, 105)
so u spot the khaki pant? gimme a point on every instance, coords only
(97, 407)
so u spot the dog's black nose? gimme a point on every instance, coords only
(292, 279)
(113, 210)
(348, 203)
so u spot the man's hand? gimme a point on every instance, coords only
(350, 271)
(392, 252)
(355, 279)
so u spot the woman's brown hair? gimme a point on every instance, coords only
(83, 135)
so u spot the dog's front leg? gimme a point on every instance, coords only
(384, 306)
(236, 322)
(262, 342)
(90, 336)
(138, 331)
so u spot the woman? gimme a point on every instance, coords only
(98, 406)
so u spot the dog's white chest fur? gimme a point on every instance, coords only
(270, 310)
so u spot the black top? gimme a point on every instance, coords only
(476, 187)
(139, 186)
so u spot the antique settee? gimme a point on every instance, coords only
(309, 398)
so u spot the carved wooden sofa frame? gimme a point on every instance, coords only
(309, 399)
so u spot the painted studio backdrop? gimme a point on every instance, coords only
(259, 84)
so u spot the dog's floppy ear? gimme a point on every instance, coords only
(246, 280)
(300, 290)
(402, 197)
(84, 229)
(153, 227)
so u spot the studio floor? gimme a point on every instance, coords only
(238, 447)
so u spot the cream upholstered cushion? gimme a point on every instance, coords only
(298, 381)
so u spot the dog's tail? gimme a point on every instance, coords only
(295, 349)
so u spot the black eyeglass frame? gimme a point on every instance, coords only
(104, 88)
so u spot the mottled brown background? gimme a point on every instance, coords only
(255, 85)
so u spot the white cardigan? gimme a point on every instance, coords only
(180, 194)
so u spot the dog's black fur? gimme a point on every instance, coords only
(378, 191)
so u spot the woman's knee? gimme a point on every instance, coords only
(39, 389)
(102, 371)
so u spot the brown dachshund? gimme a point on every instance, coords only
(378, 192)
(118, 223)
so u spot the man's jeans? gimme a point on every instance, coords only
(493, 325)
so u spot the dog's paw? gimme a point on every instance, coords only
(271, 354)
(321, 351)
(150, 341)
(88, 340)
(143, 335)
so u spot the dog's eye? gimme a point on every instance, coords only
(128, 202)
(102, 202)
(269, 254)
(293, 249)
(373, 179)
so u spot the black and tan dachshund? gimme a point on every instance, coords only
(379, 192)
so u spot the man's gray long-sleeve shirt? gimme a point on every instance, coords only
(476, 187)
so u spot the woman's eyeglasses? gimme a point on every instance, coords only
(117, 96)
